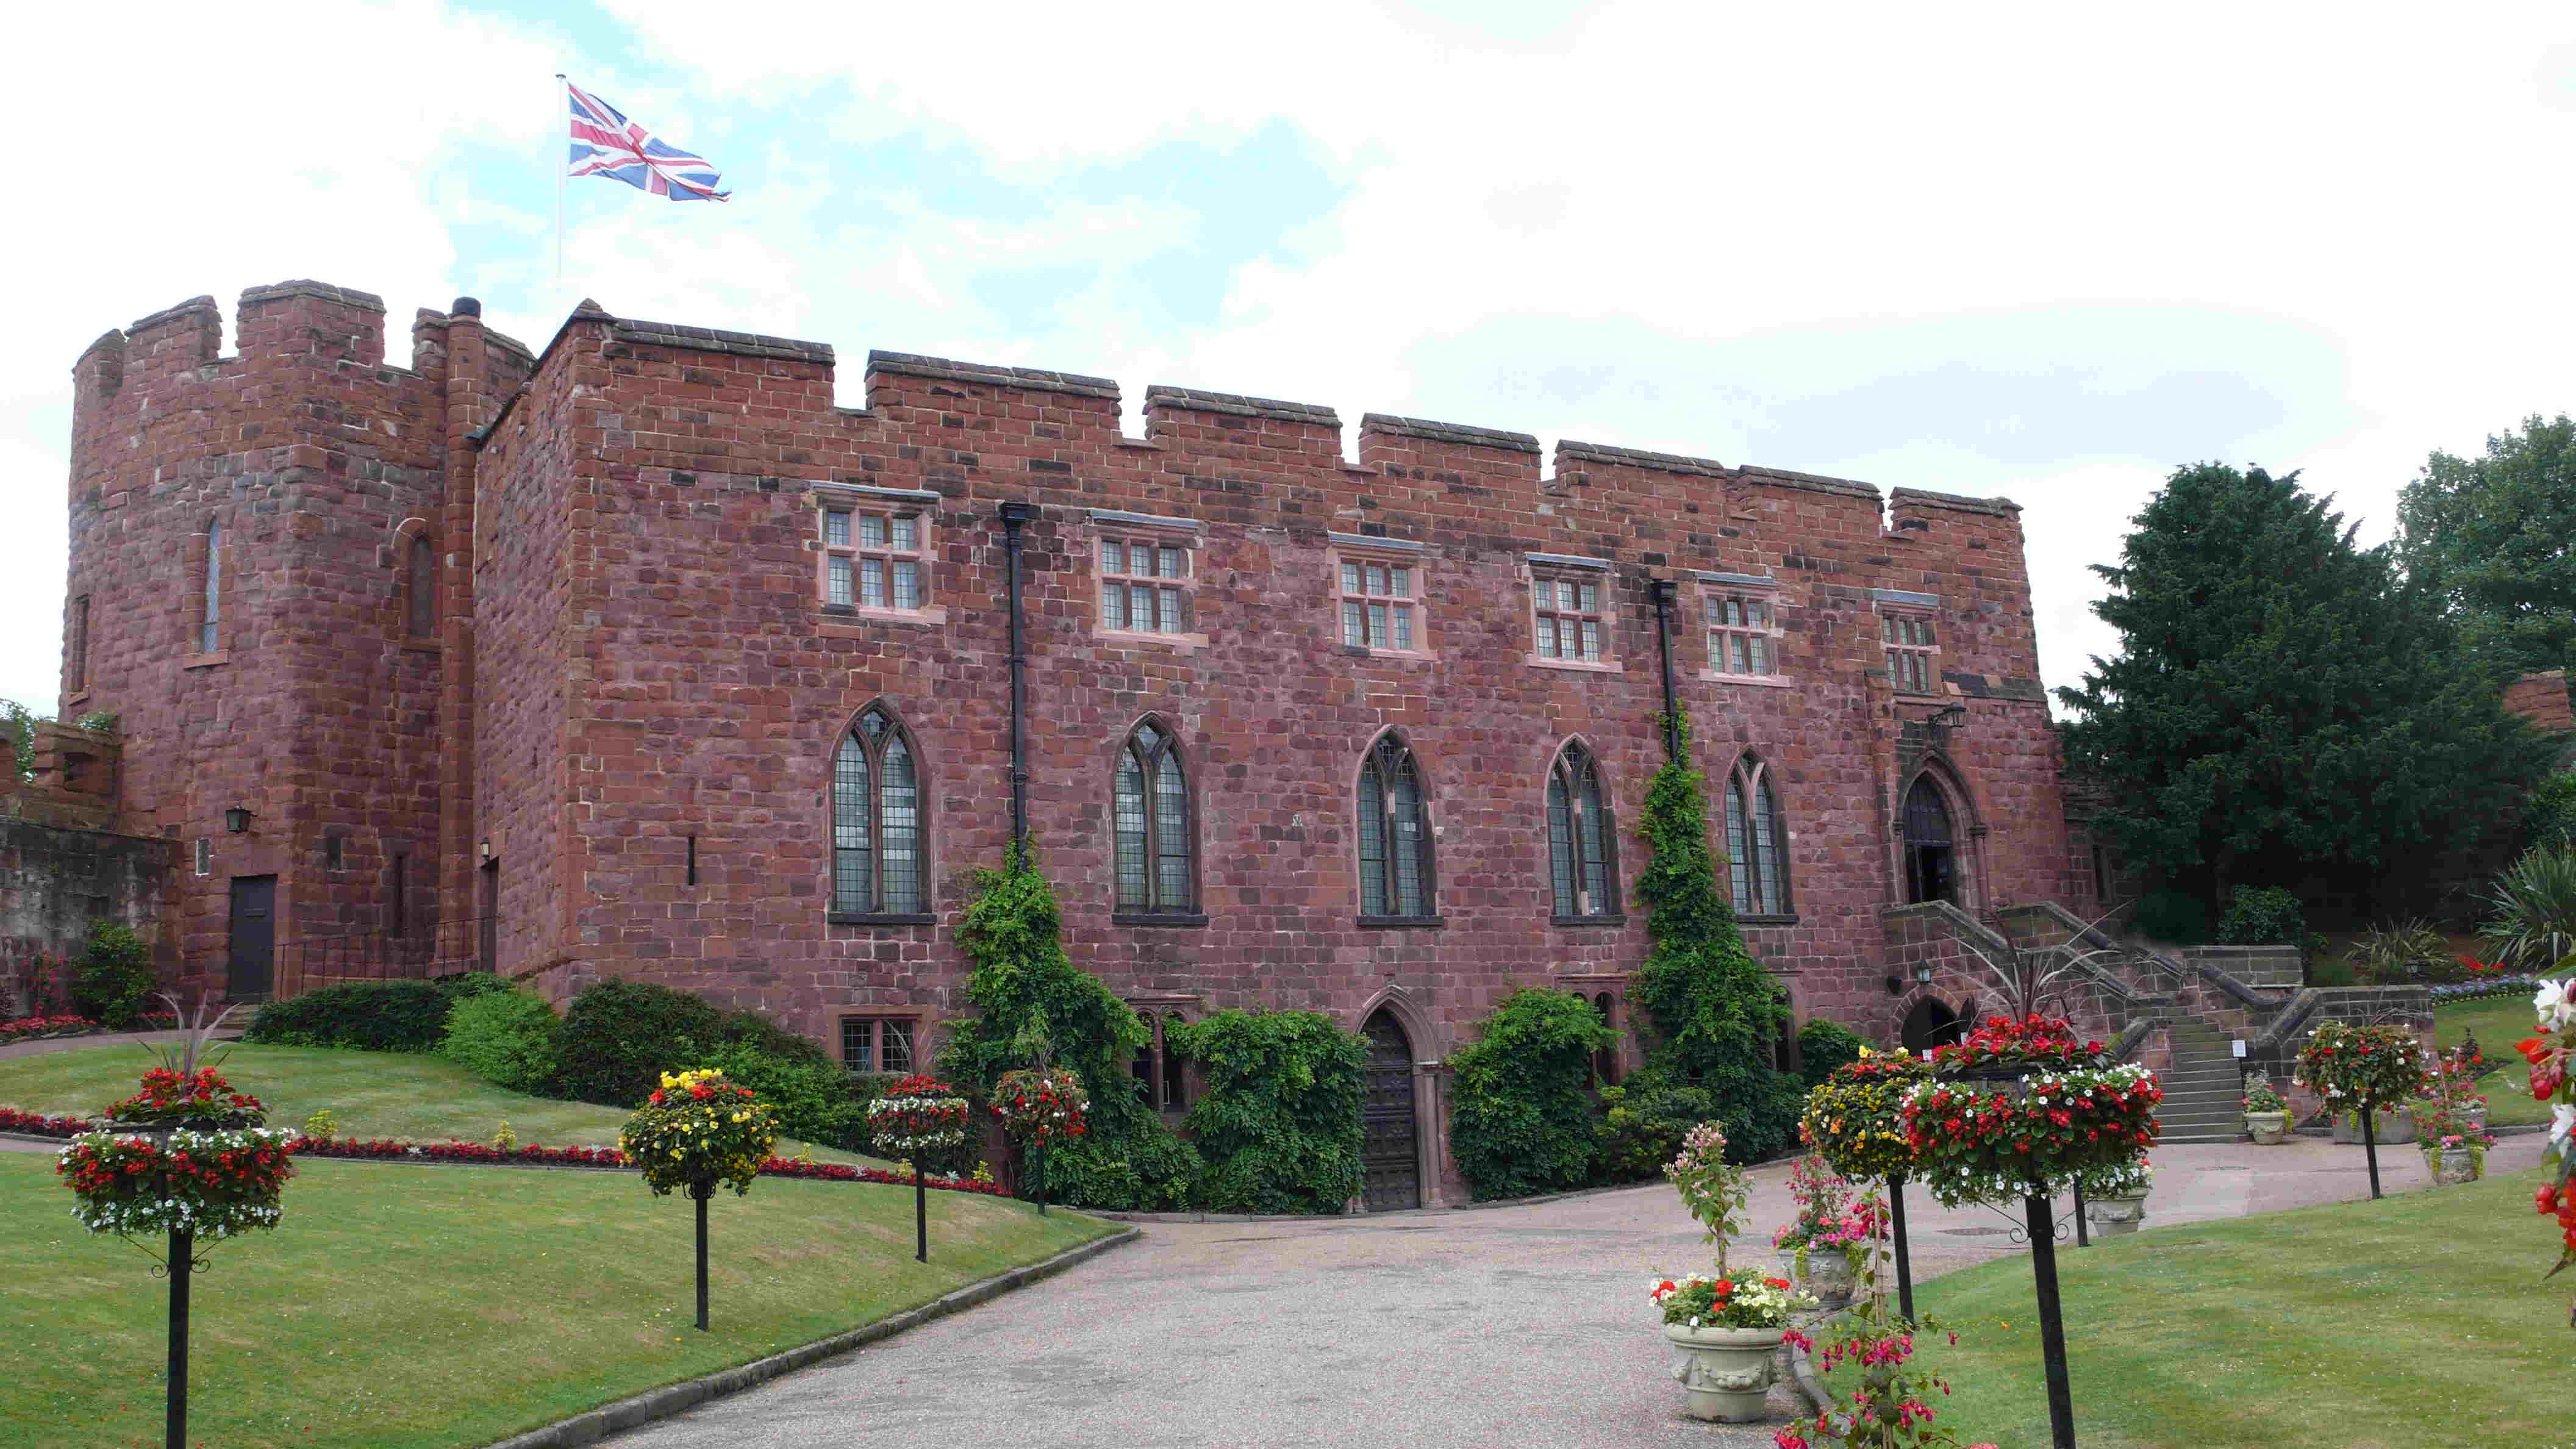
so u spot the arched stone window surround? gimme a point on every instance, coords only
(415, 560)
(1159, 904)
(1759, 880)
(869, 894)
(1582, 880)
(1968, 831)
(1388, 761)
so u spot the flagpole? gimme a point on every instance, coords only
(557, 151)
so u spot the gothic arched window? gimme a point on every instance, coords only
(877, 820)
(1153, 826)
(1756, 840)
(1395, 836)
(1579, 838)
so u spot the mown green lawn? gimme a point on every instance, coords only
(371, 1094)
(2497, 1022)
(417, 1306)
(2417, 1320)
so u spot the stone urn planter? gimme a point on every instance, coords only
(2268, 1129)
(2114, 1217)
(1828, 1279)
(2388, 1125)
(1725, 1373)
(2453, 1166)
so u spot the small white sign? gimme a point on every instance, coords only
(2239, 1045)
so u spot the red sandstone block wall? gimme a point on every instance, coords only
(702, 690)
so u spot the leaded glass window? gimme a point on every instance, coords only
(877, 821)
(1395, 836)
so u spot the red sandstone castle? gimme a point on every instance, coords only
(641, 656)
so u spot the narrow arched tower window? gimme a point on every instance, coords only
(211, 630)
(1395, 836)
(1579, 838)
(877, 820)
(1755, 837)
(1153, 826)
(422, 582)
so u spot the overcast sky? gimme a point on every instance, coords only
(2047, 252)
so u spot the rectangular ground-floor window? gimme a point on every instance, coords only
(877, 1043)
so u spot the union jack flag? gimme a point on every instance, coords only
(605, 143)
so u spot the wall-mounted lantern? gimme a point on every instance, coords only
(237, 820)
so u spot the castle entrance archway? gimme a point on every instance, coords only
(1390, 1148)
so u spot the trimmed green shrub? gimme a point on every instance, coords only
(373, 1016)
(754, 1030)
(1643, 1122)
(466, 985)
(1824, 1045)
(2175, 917)
(1520, 1117)
(1145, 1166)
(620, 1036)
(1279, 1121)
(2263, 916)
(811, 1103)
(1026, 991)
(507, 1038)
(112, 976)
(1716, 1013)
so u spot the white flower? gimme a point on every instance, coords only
(2562, 1126)
(2552, 1005)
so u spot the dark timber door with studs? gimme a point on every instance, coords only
(250, 967)
(1389, 1153)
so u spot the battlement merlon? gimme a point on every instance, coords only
(295, 322)
(1188, 417)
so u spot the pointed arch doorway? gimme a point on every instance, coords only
(1390, 1145)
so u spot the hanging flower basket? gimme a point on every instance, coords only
(187, 1154)
(917, 1116)
(1042, 1105)
(2362, 1068)
(2022, 1108)
(697, 1130)
(1855, 1119)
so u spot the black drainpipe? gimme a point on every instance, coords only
(1664, 590)
(1014, 515)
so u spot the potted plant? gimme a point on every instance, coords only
(2022, 1108)
(916, 1117)
(185, 1156)
(697, 1131)
(2370, 1072)
(2115, 1197)
(1855, 1120)
(1040, 1105)
(1821, 1248)
(2267, 1116)
(2452, 1126)
(1725, 1328)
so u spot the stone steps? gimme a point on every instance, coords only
(2203, 1087)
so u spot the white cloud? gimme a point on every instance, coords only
(2046, 251)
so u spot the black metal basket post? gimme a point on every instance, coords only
(1904, 1262)
(174, 1418)
(2039, 1212)
(2370, 1146)
(699, 1192)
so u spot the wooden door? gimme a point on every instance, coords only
(250, 964)
(1390, 1149)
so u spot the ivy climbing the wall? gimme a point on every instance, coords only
(1715, 1015)
(1027, 991)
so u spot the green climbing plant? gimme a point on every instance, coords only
(1714, 1013)
(1031, 999)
